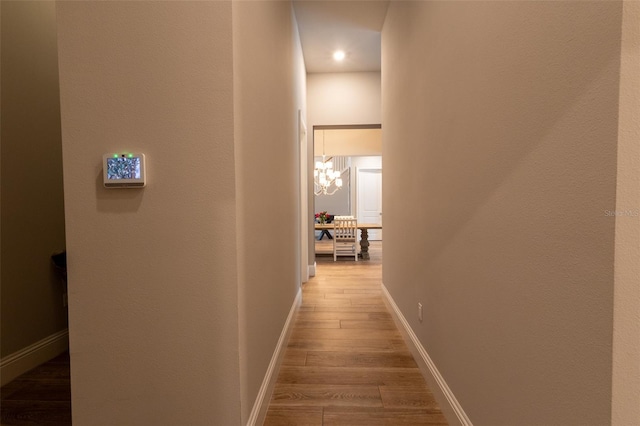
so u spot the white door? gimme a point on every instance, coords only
(370, 199)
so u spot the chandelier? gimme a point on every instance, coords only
(326, 181)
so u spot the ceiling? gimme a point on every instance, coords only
(352, 26)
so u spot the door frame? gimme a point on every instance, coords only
(303, 205)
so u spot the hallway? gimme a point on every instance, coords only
(346, 362)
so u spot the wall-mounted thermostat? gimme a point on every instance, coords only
(123, 170)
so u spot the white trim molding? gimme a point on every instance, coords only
(450, 406)
(261, 405)
(33, 355)
(312, 270)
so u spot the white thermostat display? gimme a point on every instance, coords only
(123, 170)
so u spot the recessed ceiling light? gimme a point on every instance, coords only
(338, 55)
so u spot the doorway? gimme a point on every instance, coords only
(357, 150)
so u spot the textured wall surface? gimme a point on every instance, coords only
(626, 338)
(153, 301)
(267, 97)
(344, 98)
(32, 196)
(500, 130)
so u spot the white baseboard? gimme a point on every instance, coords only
(32, 356)
(261, 405)
(312, 270)
(449, 405)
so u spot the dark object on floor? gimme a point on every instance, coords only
(60, 263)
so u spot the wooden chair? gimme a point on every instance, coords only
(345, 237)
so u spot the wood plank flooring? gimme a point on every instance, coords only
(41, 396)
(346, 363)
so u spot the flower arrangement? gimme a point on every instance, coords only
(321, 217)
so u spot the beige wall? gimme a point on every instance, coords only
(500, 134)
(626, 332)
(304, 130)
(32, 197)
(189, 333)
(343, 98)
(266, 104)
(153, 272)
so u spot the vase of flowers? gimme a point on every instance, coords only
(321, 217)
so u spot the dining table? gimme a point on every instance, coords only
(364, 235)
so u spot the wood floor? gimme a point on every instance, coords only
(346, 362)
(41, 396)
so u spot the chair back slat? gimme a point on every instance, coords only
(346, 229)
